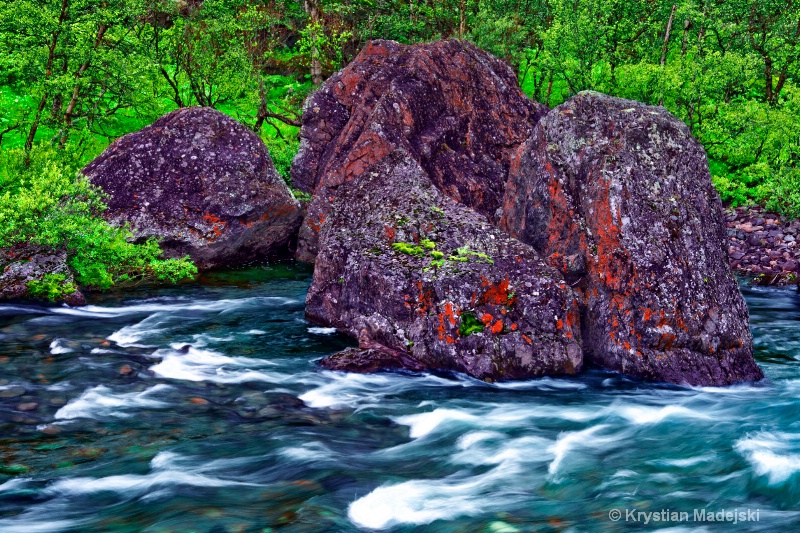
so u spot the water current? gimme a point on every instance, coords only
(199, 408)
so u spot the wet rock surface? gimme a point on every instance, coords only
(369, 361)
(415, 275)
(763, 245)
(455, 109)
(617, 196)
(203, 185)
(22, 267)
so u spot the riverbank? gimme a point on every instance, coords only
(763, 246)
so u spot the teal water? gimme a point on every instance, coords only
(199, 408)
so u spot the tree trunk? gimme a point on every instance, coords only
(101, 31)
(768, 78)
(462, 20)
(666, 35)
(686, 25)
(312, 9)
(666, 46)
(549, 89)
(48, 72)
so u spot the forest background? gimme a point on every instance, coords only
(77, 74)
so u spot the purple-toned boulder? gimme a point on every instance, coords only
(457, 110)
(202, 184)
(617, 196)
(426, 283)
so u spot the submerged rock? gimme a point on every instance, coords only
(457, 110)
(32, 272)
(424, 282)
(617, 195)
(367, 361)
(203, 185)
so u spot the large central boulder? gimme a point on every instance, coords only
(426, 283)
(455, 109)
(617, 196)
(203, 185)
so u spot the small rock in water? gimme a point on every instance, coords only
(12, 392)
(28, 406)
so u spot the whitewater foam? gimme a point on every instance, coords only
(101, 402)
(132, 485)
(773, 455)
(57, 347)
(571, 440)
(322, 331)
(195, 364)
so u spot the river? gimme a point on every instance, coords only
(199, 408)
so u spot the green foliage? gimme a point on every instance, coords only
(51, 287)
(47, 203)
(782, 195)
(79, 74)
(463, 255)
(469, 324)
(301, 195)
(408, 249)
(282, 152)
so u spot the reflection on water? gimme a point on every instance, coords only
(199, 408)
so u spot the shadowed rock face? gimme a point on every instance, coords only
(618, 197)
(455, 109)
(20, 265)
(424, 282)
(201, 183)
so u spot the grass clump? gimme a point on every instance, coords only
(469, 324)
(463, 254)
(408, 249)
(47, 203)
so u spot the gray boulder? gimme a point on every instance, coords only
(617, 196)
(203, 185)
(425, 283)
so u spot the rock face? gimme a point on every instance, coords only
(22, 268)
(618, 197)
(455, 109)
(424, 282)
(201, 183)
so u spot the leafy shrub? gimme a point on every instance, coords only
(781, 194)
(48, 203)
(732, 191)
(51, 287)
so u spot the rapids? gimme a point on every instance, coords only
(199, 408)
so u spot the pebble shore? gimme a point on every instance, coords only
(763, 246)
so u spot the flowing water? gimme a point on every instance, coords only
(199, 408)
